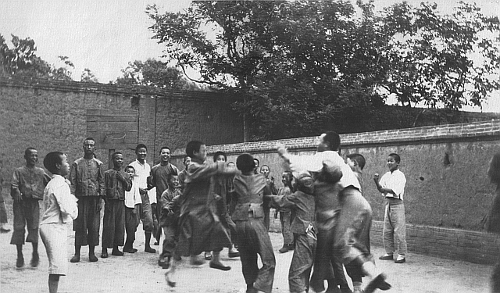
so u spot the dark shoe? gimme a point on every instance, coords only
(168, 278)
(291, 246)
(35, 260)
(377, 283)
(156, 242)
(4, 230)
(150, 250)
(233, 253)
(208, 256)
(284, 249)
(130, 250)
(20, 262)
(92, 257)
(104, 254)
(116, 252)
(400, 259)
(386, 257)
(75, 258)
(219, 266)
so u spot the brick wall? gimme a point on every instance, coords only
(448, 194)
(51, 115)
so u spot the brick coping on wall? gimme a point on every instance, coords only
(482, 129)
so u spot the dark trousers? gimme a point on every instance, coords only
(327, 265)
(286, 220)
(170, 241)
(254, 241)
(26, 216)
(131, 223)
(302, 262)
(113, 226)
(86, 225)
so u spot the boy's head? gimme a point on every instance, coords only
(356, 162)
(287, 178)
(245, 163)
(393, 161)
(197, 150)
(165, 154)
(257, 164)
(56, 163)
(173, 181)
(305, 182)
(187, 161)
(31, 156)
(328, 141)
(89, 146)
(141, 151)
(130, 171)
(220, 157)
(117, 158)
(265, 170)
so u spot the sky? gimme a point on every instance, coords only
(105, 35)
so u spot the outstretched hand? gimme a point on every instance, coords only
(281, 149)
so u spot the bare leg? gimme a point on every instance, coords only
(53, 283)
(170, 273)
(76, 257)
(35, 258)
(20, 257)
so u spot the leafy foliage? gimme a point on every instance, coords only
(154, 73)
(22, 60)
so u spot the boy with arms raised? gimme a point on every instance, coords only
(59, 208)
(28, 183)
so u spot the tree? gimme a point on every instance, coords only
(431, 55)
(88, 76)
(309, 62)
(154, 73)
(21, 60)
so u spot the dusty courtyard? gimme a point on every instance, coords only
(139, 273)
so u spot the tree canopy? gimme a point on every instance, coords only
(300, 64)
(156, 73)
(21, 59)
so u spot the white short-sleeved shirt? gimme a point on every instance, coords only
(314, 163)
(133, 196)
(396, 181)
(142, 172)
(59, 205)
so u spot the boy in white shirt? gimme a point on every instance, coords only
(132, 212)
(392, 187)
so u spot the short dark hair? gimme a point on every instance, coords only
(129, 167)
(332, 139)
(257, 160)
(89, 138)
(193, 146)
(360, 160)
(115, 154)
(245, 163)
(220, 153)
(164, 147)
(265, 166)
(27, 151)
(51, 160)
(140, 146)
(396, 157)
(288, 174)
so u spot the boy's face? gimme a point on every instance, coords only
(130, 171)
(141, 154)
(220, 158)
(392, 164)
(187, 161)
(32, 158)
(285, 178)
(265, 171)
(174, 181)
(202, 154)
(165, 155)
(64, 167)
(351, 164)
(322, 145)
(118, 161)
(89, 146)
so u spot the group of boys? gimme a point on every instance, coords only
(330, 227)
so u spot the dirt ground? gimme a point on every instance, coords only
(139, 272)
